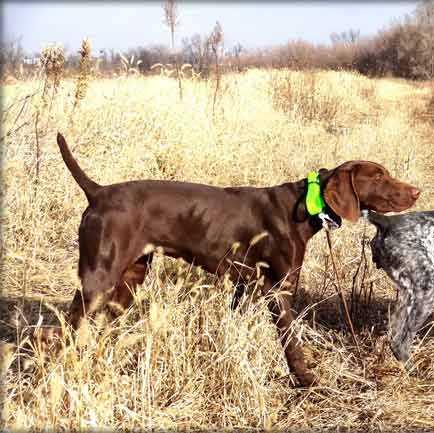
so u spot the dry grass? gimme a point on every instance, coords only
(180, 359)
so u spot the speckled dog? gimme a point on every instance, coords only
(404, 248)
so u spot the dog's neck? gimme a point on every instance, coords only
(294, 194)
(307, 225)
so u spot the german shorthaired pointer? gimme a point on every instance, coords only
(404, 248)
(202, 223)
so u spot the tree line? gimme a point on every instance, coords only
(404, 49)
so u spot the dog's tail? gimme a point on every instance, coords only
(379, 220)
(89, 187)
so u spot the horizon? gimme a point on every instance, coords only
(263, 25)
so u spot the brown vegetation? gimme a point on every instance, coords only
(179, 358)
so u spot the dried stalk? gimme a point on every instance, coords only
(341, 294)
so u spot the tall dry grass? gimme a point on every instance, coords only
(179, 358)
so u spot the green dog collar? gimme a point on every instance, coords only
(314, 201)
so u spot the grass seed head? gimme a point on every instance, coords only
(52, 61)
(84, 71)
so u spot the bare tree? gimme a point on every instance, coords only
(171, 19)
(424, 15)
(349, 37)
(215, 41)
(237, 49)
(11, 55)
(197, 52)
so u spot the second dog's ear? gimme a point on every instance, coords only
(341, 195)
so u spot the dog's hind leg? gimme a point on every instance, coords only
(101, 288)
(97, 287)
(133, 276)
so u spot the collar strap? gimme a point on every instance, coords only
(315, 203)
(314, 200)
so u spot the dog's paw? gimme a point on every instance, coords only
(306, 379)
(400, 352)
(47, 337)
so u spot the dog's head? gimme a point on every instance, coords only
(357, 185)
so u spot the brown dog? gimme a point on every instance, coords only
(201, 223)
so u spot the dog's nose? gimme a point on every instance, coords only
(415, 193)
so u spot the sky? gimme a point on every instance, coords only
(122, 25)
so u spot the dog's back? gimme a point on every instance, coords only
(398, 222)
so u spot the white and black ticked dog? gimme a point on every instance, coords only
(404, 248)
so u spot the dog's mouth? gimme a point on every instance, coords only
(391, 205)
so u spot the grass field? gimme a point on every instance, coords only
(179, 359)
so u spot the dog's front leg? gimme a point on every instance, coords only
(279, 304)
(412, 310)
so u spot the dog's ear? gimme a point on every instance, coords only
(341, 195)
(324, 175)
